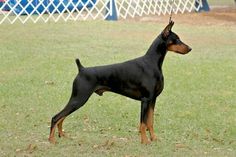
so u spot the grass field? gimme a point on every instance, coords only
(194, 116)
(221, 2)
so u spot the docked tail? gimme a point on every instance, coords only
(79, 65)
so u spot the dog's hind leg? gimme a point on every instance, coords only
(80, 94)
(59, 126)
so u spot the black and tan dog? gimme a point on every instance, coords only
(140, 79)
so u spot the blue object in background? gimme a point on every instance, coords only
(205, 6)
(18, 8)
(60, 6)
(27, 7)
(112, 6)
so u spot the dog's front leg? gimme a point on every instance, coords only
(143, 120)
(150, 121)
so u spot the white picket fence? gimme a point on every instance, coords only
(134, 8)
(55, 10)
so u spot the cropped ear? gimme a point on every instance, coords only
(165, 33)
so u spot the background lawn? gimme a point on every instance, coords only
(221, 2)
(194, 116)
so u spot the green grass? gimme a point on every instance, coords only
(194, 116)
(221, 2)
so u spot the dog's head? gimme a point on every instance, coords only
(173, 41)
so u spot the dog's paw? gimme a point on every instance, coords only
(52, 140)
(62, 134)
(145, 141)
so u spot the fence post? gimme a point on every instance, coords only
(203, 7)
(112, 16)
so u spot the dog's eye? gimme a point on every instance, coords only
(173, 41)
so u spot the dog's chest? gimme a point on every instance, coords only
(159, 86)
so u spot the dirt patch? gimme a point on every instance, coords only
(217, 16)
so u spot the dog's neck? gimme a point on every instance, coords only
(157, 51)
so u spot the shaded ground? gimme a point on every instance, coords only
(217, 16)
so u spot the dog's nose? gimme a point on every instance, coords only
(190, 49)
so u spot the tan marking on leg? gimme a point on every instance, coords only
(144, 139)
(51, 136)
(52, 132)
(60, 131)
(150, 121)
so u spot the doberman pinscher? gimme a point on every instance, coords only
(140, 79)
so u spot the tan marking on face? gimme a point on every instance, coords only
(181, 48)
